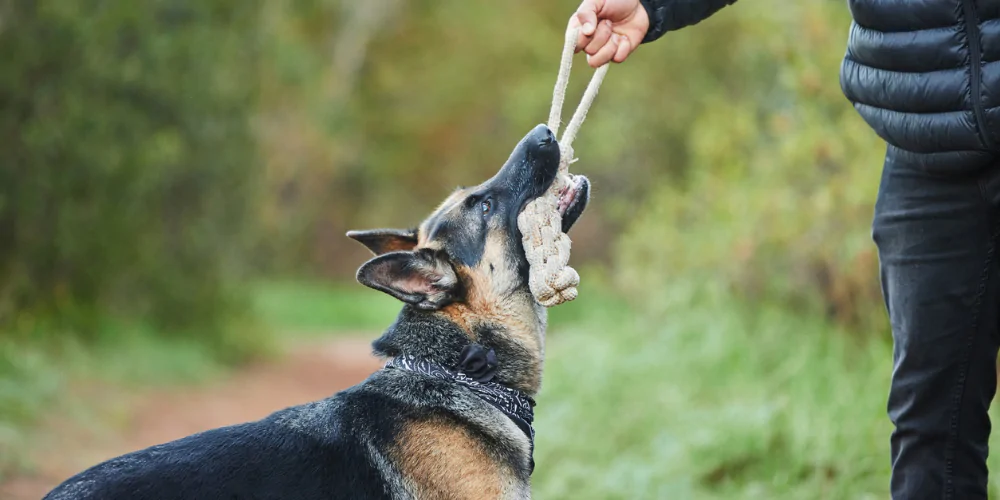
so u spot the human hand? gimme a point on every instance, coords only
(610, 29)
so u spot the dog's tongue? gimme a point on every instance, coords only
(567, 196)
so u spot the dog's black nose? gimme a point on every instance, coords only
(549, 137)
(544, 135)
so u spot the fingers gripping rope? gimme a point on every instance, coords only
(551, 280)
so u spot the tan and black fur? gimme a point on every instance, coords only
(462, 277)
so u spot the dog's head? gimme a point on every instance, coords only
(465, 261)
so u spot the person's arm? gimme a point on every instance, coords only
(613, 29)
(672, 15)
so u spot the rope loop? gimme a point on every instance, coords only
(551, 280)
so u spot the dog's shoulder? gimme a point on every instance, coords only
(444, 434)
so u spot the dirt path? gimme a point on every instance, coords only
(307, 373)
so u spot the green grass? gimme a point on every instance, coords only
(710, 399)
(707, 398)
(324, 308)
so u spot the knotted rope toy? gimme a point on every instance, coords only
(551, 280)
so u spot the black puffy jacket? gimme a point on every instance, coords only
(924, 74)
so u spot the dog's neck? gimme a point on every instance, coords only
(433, 336)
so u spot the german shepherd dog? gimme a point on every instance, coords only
(449, 417)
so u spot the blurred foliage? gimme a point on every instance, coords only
(379, 143)
(725, 150)
(776, 196)
(157, 155)
(129, 177)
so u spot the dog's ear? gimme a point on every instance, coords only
(381, 241)
(424, 279)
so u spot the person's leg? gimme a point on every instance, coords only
(936, 238)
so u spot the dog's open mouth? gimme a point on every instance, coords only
(573, 200)
(569, 194)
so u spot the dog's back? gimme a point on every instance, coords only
(317, 450)
(389, 437)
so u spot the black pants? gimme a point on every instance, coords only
(937, 238)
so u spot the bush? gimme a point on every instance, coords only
(128, 178)
(776, 195)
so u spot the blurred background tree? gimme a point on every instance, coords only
(129, 182)
(727, 148)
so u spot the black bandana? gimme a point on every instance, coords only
(475, 370)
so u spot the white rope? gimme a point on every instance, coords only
(551, 280)
(562, 81)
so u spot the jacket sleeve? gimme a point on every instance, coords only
(672, 15)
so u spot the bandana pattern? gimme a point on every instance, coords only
(518, 406)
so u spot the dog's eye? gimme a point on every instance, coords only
(487, 206)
